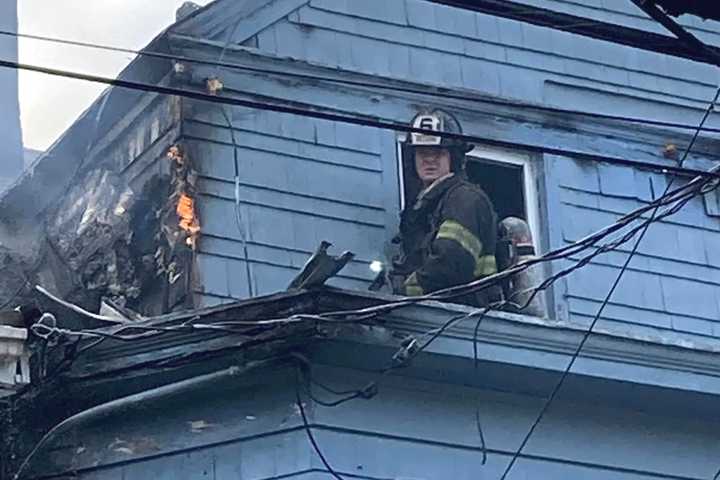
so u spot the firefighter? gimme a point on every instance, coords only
(448, 233)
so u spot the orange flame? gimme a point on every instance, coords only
(189, 221)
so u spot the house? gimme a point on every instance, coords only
(166, 205)
(10, 135)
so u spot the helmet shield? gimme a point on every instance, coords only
(436, 121)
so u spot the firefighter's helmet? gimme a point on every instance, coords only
(442, 122)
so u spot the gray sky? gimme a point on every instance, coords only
(49, 104)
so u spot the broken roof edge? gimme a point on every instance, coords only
(509, 331)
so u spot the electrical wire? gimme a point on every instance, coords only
(478, 420)
(679, 196)
(410, 353)
(403, 360)
(364, 84)
(342, 118)
(606, 300)
(449, 292)
(438, 332)
(243, 230)
(309, 433)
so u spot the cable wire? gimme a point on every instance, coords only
(606, 300)
(364, 84)
(679, 196)
(342, 118)
(243, 230)
(311, 437)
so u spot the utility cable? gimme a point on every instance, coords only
(364, 84)
(679, 197)
(244, 230)
(190, 94)
(402, 360)
(242, 226)
(365, 121)
(310, 435)
(606, 300)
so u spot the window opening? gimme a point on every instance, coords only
(507, 177)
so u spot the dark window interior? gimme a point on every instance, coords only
(503, 183)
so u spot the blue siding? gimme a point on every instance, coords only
(454, 48)
(304, 180)
(301, 182)
(336, 182)
(670, 283)
(413, 429)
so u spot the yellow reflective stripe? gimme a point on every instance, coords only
(412, 287)
(452, 230)
(485, 266)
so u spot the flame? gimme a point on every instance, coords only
(189, 221)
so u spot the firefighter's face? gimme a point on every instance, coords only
(431, 163)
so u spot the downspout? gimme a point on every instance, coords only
(133, 400)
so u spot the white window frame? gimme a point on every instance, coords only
(531, 194)
(498, 155)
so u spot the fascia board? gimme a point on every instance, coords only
(503, 338)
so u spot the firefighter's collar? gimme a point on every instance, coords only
(431, 189)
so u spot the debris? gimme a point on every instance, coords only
(111, 309)
(75, 308)
(320, 267)
(198, 426)
(142, 445)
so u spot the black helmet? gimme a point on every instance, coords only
(439, 121)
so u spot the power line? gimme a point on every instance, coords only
(606, 300)
(675, 199)
(408, 352)
(311, 437)
(364, 84)
(690, 40)
(365, 121)
(327, 116)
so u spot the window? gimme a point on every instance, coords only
(511, 180)
(507, 177)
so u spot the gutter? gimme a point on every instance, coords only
(134, 400)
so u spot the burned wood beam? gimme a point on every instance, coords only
(700, 8)
(631, 37)
(320, 268)
(711, 55)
